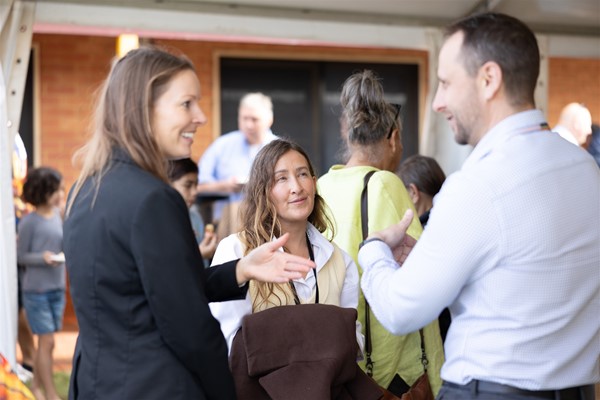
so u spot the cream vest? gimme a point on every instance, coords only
(330, 280)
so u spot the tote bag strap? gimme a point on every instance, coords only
(364, 216)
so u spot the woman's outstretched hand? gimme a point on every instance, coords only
(267, 263)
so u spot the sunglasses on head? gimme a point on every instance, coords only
(397, 107)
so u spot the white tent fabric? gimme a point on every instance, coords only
(8, 258)
(16, 23)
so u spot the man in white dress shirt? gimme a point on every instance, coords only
(504, 248)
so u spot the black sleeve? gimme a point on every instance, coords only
(171, 270)
(221, 283)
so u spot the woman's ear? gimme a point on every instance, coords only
(393, 139)
(414, 193)
(395, 144)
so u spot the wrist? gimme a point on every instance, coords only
(369, 240)
(241, 274)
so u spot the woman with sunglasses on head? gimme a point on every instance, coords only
(374, 142)
(136, 276)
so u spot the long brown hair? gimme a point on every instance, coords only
(260, 222)
(123, 114)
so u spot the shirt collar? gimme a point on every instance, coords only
(322, 248)
(525, 121)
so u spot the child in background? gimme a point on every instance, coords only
(24, 335)
(183, 176)
(39, 250)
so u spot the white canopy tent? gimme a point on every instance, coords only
(564, 28)
(16, 22)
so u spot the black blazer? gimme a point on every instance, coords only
(141, 294)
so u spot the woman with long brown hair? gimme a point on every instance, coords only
(282, 197)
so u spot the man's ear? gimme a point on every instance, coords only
(489, 79)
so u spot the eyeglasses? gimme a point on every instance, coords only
(397, 107)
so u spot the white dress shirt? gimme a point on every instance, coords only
(566, 134)
(513, 247)
(230, 313)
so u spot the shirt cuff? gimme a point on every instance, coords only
(373, 251)
(368, 240)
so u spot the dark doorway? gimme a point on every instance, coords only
(305, 98)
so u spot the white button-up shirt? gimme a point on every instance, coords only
(513, 247)
(230, 313)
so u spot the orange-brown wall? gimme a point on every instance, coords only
(573, 80)
(70, 68)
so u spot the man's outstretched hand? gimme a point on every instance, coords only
(396, 238)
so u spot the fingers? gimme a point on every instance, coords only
(279, 242)
(406, 247)
(291, 267)
(406, 220)
(410, 241)
(394, 234)
(290, 272)
(300, 264)
(209, 239)
(47, 256)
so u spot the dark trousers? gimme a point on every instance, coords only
(481, 390)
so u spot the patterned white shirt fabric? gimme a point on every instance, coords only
(565, 134)
(513, 247)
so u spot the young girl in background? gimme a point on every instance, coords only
(39, 250)
(183, 176)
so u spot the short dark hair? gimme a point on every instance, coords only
(40, 184)
(179, 168)
(424, 172)
(506, 41)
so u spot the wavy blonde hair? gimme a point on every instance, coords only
(260, 222)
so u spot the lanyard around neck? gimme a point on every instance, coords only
(312, 258)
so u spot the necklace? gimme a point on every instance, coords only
(312, 258)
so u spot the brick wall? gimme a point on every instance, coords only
(573, 80)
(69, 71)
(72, 67)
